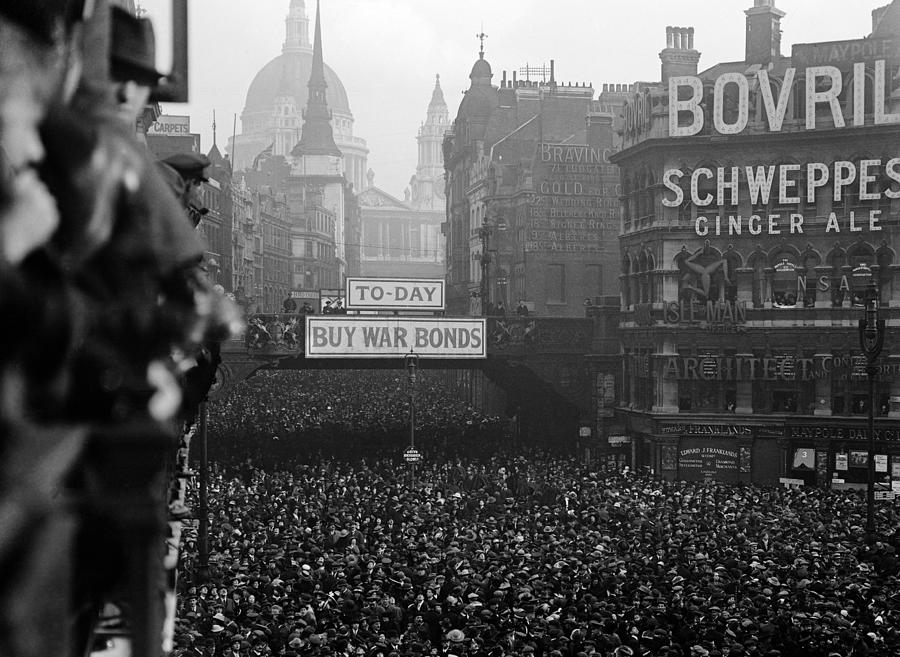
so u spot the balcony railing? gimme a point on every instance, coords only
(284, 334)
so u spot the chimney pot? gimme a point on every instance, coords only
(690, 38)
(669, 37)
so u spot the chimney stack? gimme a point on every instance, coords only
(679, 57)
(763, 44)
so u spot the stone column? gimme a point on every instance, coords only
(766, 292)
(669, 288)
(744, 397)
(745, 286)
(666, 400)
(894, 299)
(823, 386)
(823, 299)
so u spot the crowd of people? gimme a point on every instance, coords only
(501, 552)
(286, 414)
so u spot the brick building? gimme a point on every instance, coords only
(759, 199)
(532, 209)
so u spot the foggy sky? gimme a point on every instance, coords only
(387, 52)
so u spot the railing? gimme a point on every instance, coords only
(282, 333)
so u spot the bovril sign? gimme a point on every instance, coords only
(395, 294)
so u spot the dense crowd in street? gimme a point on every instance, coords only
(500, 552)
(291, 414)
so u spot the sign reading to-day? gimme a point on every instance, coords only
(422, 294)
(371, 336)
(412, 455)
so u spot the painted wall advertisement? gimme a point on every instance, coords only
(577, 208)
(791, 186)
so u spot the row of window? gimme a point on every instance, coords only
(784, 286)
(313, 249)
(820, 384)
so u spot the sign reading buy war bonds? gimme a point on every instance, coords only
(342, 336)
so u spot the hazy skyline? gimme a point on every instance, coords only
(387, 52)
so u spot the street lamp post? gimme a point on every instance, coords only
(412, 362)
(871, 341)
(485, 234)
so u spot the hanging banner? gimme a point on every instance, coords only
(342, 336)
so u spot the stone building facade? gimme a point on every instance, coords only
(759, 199)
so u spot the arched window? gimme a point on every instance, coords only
(784, 284)
(860, 259)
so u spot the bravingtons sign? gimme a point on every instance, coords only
(342, 336)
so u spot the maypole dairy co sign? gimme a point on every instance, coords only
(866, 75)
(424, 294)
(370, 336)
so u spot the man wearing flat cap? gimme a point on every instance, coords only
(192, 169)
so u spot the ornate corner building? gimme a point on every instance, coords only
(759, 198)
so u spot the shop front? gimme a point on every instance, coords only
(836, 455)
(710, 451)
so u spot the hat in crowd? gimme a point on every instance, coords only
(132, 48)
(191, 166)
(172, 177)
(456, 636)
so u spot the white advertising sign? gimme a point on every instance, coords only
(171, 125)
(395, 294)
(342, 336)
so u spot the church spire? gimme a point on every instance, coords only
(437, 106)
(317, 137)
(317, 75)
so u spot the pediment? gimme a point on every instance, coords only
(373, 197)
